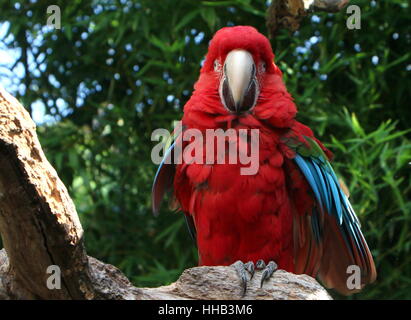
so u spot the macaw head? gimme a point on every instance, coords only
(240, 57)
(240, 79)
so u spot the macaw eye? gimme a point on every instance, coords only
(217, 66)
(263, 67)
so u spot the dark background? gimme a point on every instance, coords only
(117, 70)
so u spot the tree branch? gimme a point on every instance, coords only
(289, 13)
(329, 5)
(39, 227)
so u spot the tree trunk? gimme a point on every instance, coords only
(40, 228)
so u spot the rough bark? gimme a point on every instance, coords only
(40, 227)
(289, 13)
(200, 283)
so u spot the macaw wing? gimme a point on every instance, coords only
(164, 179)
(327, 233)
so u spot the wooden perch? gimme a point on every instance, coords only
(289, 13)
(328, 5)
(39, 227)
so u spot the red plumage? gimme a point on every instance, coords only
(261, 216)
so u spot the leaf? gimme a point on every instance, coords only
(186, 20)
(209, 16)
(356, 125)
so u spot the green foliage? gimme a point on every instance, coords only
(376, 167)
(117, 70)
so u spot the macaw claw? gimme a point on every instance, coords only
(243, 269)
(268, 271)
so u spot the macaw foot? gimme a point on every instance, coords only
(242, 270)
(268, 270)
(245, 269)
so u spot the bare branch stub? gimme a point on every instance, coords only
(289, 13)
(330, 5)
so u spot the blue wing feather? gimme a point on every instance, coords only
(302, 164)
(324, 183)
(325, 186)
(330, 197)
(336, 193)
(335, 228)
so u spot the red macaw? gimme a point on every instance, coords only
(293, 212)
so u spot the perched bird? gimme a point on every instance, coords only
(292, 212)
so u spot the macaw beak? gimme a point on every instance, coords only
(239, 85)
